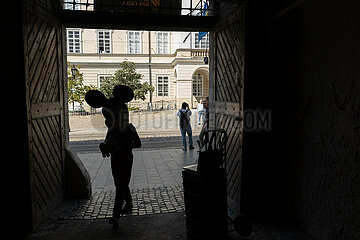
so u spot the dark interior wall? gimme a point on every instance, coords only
(304, 65)
(15, 185)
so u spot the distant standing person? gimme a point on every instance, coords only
(200, 110)
(206, 123)
(185, 127)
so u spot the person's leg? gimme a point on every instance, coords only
(183, 136)
(128, 201)
(119, 169)
(119, 200)
(127, 167)
(189, 132)
(201, 138)
(128, 197)
(200, 113)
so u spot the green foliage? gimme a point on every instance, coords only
(126, 75)
(76, 87)
(133, 108)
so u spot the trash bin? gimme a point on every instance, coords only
(205, 204)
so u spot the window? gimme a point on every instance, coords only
(134, 42)
(69, 5)
(73, 41)
(102, 77)
(162, 43)
(204, 43)
(197, 85)
(163, 86)
(104, 42)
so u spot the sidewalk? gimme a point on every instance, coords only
(156, 185)
(151, 168)
(148, 124)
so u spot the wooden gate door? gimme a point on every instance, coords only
(227, 78)
(44, 73)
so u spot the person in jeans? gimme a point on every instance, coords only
(205, 126)
(200, 110)
(185, 127)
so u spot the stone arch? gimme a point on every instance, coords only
(203, 74)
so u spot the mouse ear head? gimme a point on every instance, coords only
(123, 94)
(95, 98)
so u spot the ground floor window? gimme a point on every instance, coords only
(163, 86)
(197, 85)
(101, 78)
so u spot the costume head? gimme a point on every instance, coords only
(114, 109)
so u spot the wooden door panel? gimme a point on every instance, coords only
(228, 77)
(44, 85)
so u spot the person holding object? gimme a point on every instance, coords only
(200, 110)
(185, 127)
(120, 139)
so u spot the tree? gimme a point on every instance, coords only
(126, 75)
(76, 87)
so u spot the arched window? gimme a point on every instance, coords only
(197, 85)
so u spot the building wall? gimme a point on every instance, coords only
(179, 64)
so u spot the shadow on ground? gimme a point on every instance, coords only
(149, 227)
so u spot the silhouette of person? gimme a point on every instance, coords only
(120, 139)
(185, 127)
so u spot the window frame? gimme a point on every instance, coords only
(104, 39)
(162, 92)
(73, 38)
(204, 41)
(158, 44)
(128, 42)
(70, 6)
(195, 90)
(102, 75)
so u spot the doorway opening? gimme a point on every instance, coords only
(98, 57)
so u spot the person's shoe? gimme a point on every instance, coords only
(127, 208)
(185, 149)
(191, 147)
(114, 221)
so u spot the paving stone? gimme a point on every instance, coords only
(146, 201)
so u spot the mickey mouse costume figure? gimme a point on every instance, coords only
(120, 139)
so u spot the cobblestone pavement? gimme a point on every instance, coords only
(156, 185)
(146, 201)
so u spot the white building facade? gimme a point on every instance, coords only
(174, 60)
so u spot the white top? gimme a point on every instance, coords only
(200, 107)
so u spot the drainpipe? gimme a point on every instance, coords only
(150, 78)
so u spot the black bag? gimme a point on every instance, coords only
(184, 120)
